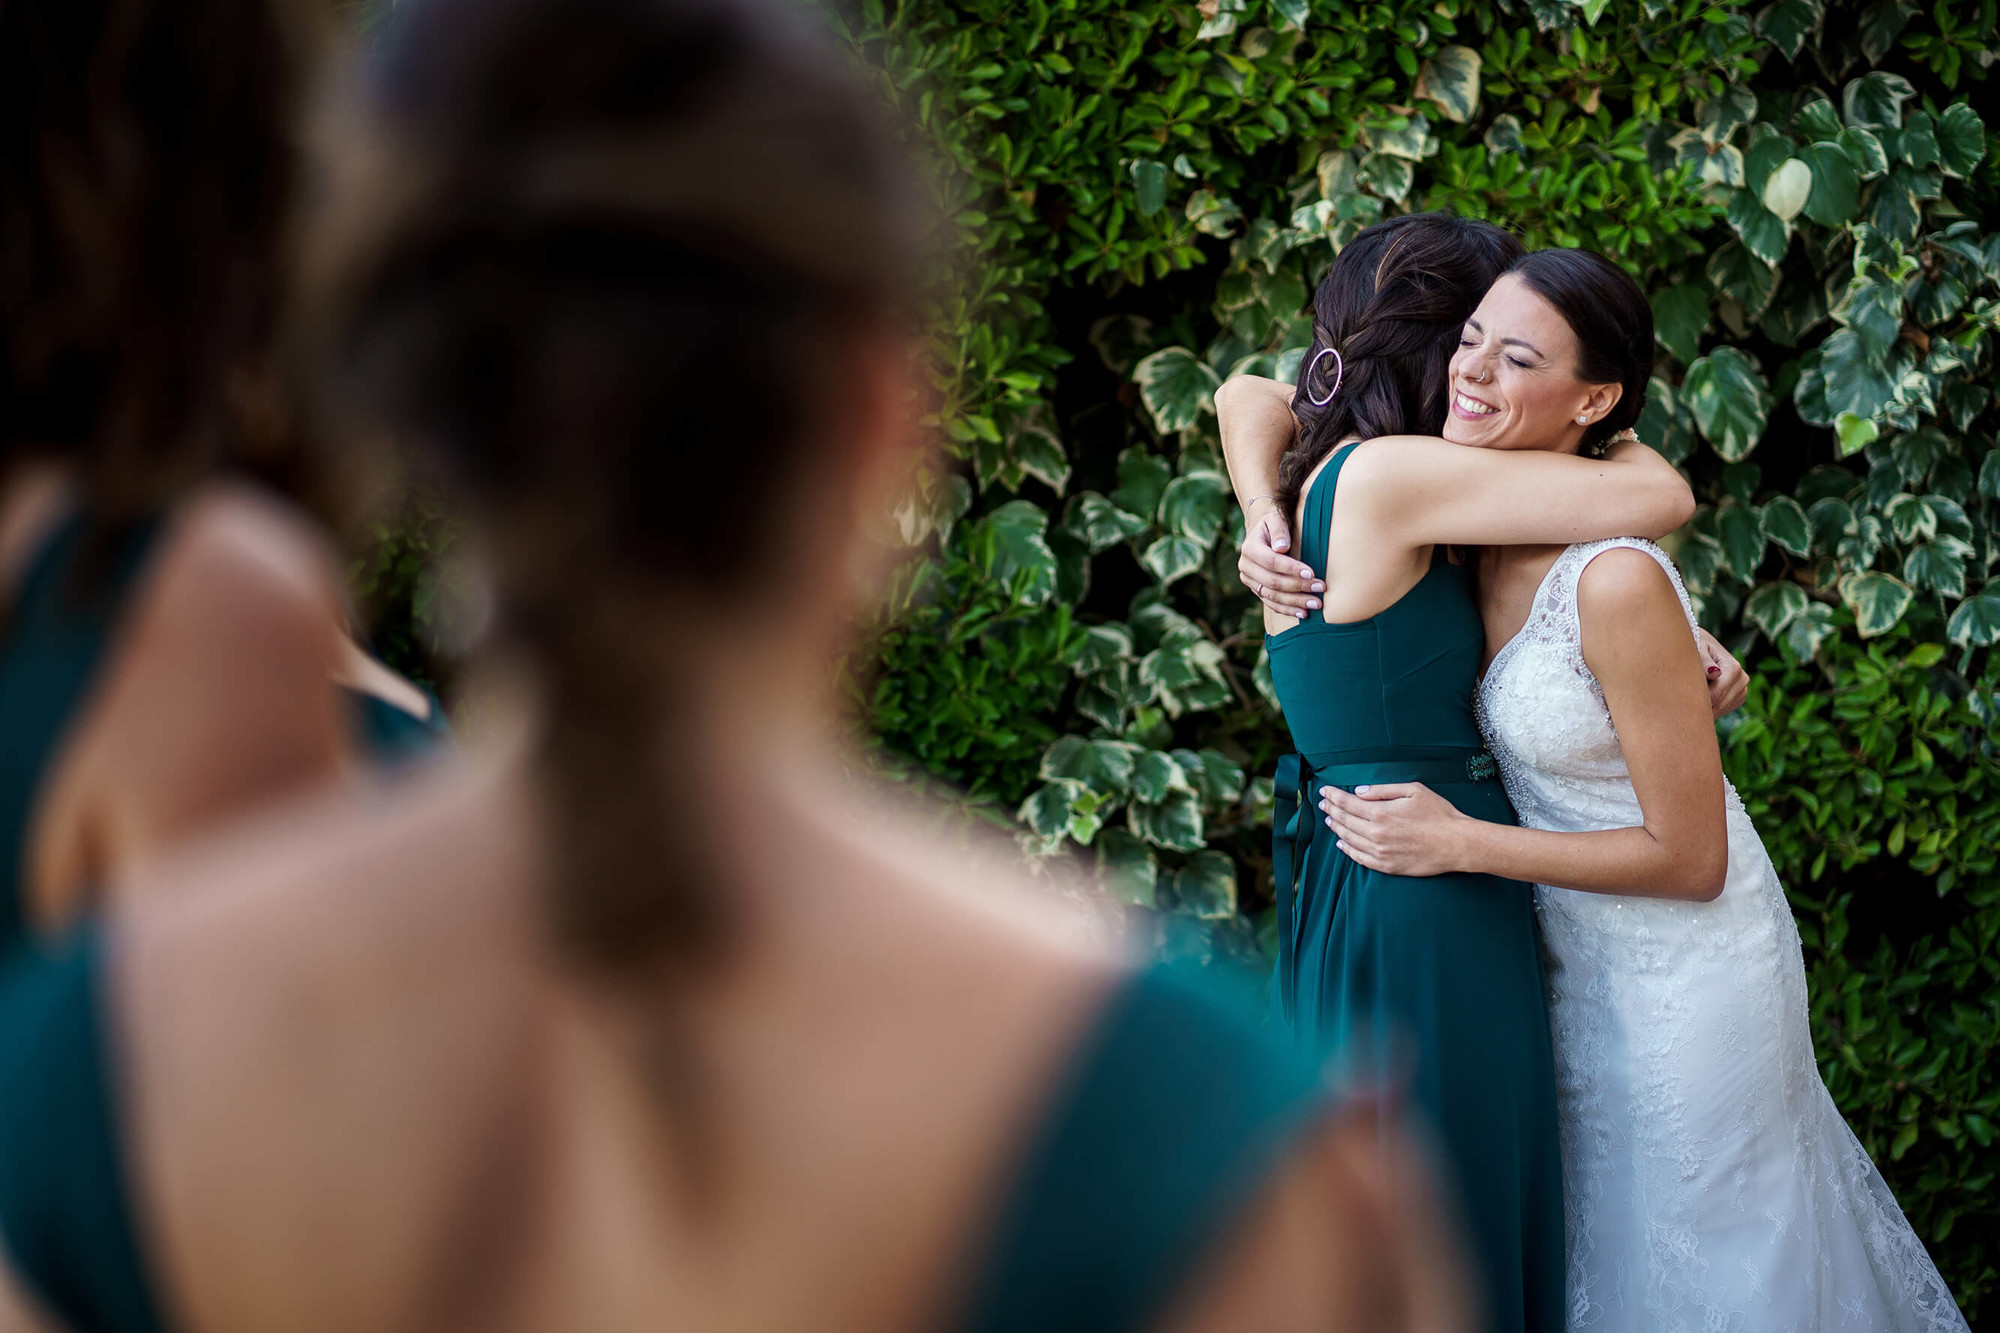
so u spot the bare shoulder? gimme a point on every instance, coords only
(1390, 465)
(1621, 580)
(237, 557)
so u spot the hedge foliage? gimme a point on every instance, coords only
(1147, 190)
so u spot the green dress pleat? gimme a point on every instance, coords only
(1435, 981)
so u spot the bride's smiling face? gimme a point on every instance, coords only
(1514, 382)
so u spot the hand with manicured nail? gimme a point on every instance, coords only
(1398, 828)
(1728, 682)
(1285, 585)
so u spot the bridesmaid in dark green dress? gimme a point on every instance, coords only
(1441, 975)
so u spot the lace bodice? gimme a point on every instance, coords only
(1709, 1180)
(1543, 713)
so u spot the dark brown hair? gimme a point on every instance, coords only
(1393, 305)
(146, 165)
(1612, 321)
(603, 259)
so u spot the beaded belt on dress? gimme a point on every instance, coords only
(1294, 817)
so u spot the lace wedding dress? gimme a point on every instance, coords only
(1710, 1182)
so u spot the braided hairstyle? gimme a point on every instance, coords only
(1392, 305)
(604, 262)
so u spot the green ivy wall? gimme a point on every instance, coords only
(1145, 192)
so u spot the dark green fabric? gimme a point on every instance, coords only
(57, 632)
(1440, 976)
(65, 1201)
(1170, 1114)
(391, 736)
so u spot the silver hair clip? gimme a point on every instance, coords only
(1339, 373)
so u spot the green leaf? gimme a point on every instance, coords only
(1149, 183)
(1864, 150)
(1680, 317)
(1142, 480)
(1880, 24)
(1876, 100)
(1194, 506)
(1100, 524)
(1775, 606)
(1854, 433)
(1961, 139)
(1293, 12)
(1156, 775)
(1215, 778)
(1910, 519)
(1047, 811)
(1177, 386)
(1786, 191)
(1938, 566)
(1101, 765)
(1817, 119)
(1665, 423)
(1730, 401)
(1120, 339)
(1729, 110)
(1836, 186)
(1917, 145)
(1173, 558)
(1173, 823)
(1788, 23)
(1224, 21)
(1877, 600)
(1017, 551)
(1212, 214)
(1504, 135)
(1450, 79)
(1039, 453)
(1874, 310)
(1812, 627)
(1742, 539)
(1976, 622)
(1785, 523)
(1127, 867)
(1736, 273)
(1762, 231)
(1855, 382)
(1206, 886)
(1895, 212)
(1989, 476)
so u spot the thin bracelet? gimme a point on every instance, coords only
(1255, 498)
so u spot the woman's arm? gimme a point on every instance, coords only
(1636, 642)
(1420, 490)
(1254, 415)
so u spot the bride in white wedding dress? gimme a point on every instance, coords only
(1711, 1183)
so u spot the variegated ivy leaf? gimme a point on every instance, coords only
(1787, 189)
(1387, 175)
(1102, 646)
(1938, 566)
(1680, 317)
(1864, 150)
(1450, 78)
(1836, 185)
(1808, 630)
(1775, 606)
(1039, 453)
(1785, 523)
(1875, 100)
(1917, 145)
(1764, 233)
(1961, 138)
(1156, 775)
(1100, 524)
(1744, 278)
(1721, 116)
(1046, 811)
(1714, 163)
(1194, 506)
(1874, 310)
(1293, 12)
(1817, 119)
(1177, 386)
(1120, 340)
(1174, 823)
(1976, 622)
(1187, 675)
(1127, 868)
(1503, 135)
(1911, 519)
(1877, 600)
(1410, 139)
(1219, 18)
(1011, 543)
(1741, 535)
(1852, 380)
(1881, 22)
(1101, 765)
(1730, 401)
(1215, 778)
(1206, 886)
(1666, 424)
(1172, 558)
(1212, 214)
(1788, 23)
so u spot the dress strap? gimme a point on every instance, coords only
(1170, 1115)
(65, 1198)
(1316, 511)
(58, 630)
